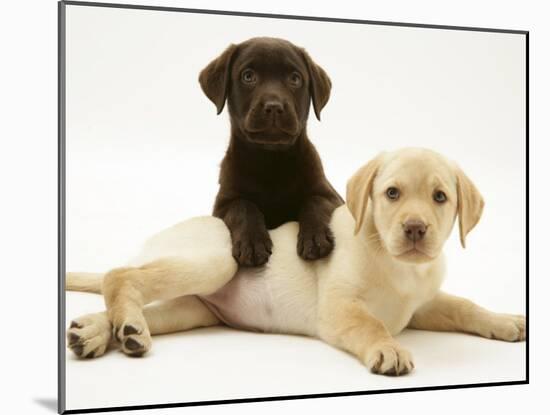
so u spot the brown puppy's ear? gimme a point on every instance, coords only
(319, 84)
(470, 205)
(215, 78)
(358, 191)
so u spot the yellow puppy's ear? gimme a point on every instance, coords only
(470, 205)
(358, 191)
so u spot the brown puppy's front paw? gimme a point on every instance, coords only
(507, 327)
(252, 250)
(316, 243)
(389, 358)
(134, 338)
(90, 335)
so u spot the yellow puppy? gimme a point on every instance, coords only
(384, 274)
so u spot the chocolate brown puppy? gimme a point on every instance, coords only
(271, 173)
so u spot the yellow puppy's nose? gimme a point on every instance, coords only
(414, 229)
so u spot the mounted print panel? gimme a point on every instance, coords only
(259, 207)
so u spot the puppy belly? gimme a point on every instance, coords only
(253, 301)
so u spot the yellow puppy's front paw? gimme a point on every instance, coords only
(389, 358)
(507, 327)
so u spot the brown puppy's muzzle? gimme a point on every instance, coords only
(273, 109)
(272, 121)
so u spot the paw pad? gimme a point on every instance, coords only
(128, 329)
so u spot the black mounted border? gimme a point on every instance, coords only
(61, 205)
(62, 347)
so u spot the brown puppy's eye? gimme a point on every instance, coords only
(295, 79)
(392, 193)
(440, 197)
(248, 76)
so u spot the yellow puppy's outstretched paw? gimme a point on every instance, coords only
(90, 335)
(133, 336)
(388, 358)
(507, 327)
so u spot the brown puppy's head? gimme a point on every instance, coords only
(416, 195)
(268, 84)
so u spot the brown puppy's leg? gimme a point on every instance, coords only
(251, 242)
(91, 335)
(449, 313)
(127, 290)
(346, 323)
(315, 239)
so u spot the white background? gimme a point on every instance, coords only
(31, 157)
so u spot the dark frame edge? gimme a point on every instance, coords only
(292, 17)
(61, 9)
(292, 397)
(527, 132)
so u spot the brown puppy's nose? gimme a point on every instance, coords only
(273, 107)
(414, 229)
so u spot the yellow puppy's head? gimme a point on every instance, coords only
(413, 197)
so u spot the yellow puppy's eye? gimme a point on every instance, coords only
(392, 193)
(440, 197)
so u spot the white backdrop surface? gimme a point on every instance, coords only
(144, 146)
